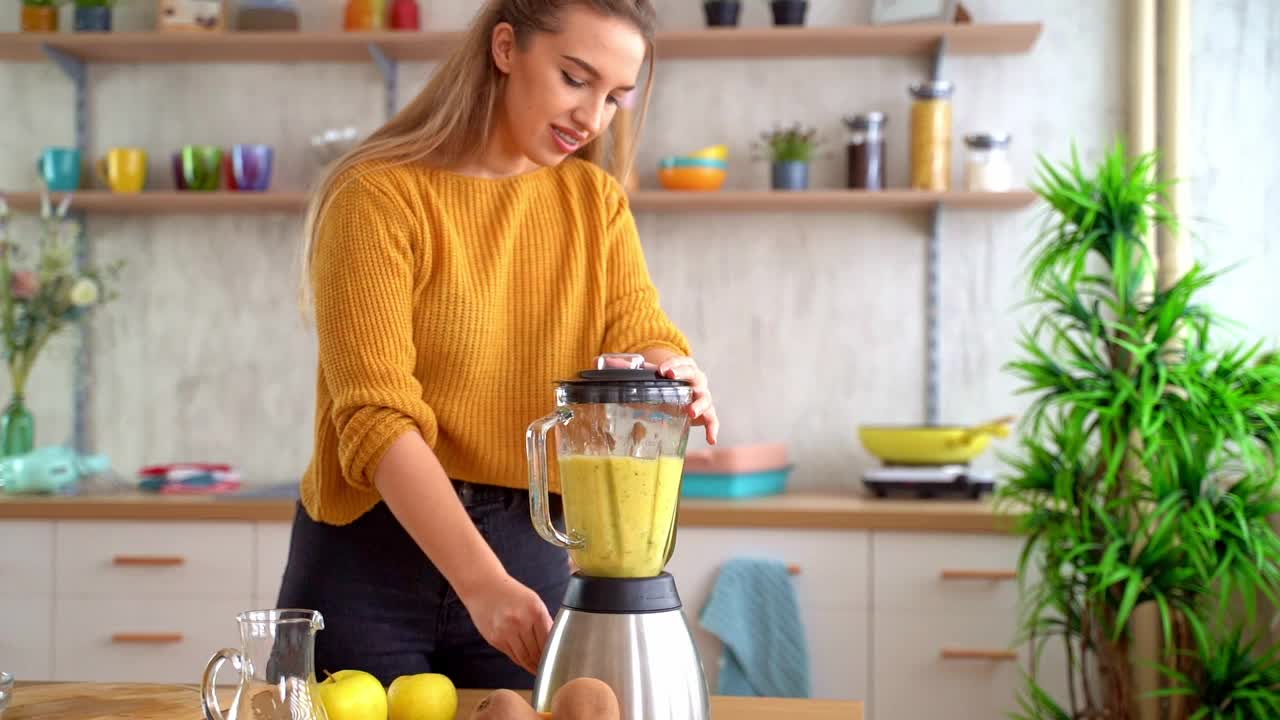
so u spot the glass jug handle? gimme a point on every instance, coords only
(208, 686)
(630, 361)
(535, 440)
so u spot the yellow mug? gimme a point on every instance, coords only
(124, 170)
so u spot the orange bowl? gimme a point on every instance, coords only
(691, 178)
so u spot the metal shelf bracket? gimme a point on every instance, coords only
(82, 364)
(933, 306)
(388, 67)
(939, 53)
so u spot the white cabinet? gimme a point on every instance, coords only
(944, 617)
(271, 553)
(26, 599)
(831, 589)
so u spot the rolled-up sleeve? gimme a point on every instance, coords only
(368, 255)
(634, 317)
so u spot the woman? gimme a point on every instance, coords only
(462, 258)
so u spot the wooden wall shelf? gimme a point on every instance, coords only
(337, 46)
(174, 202)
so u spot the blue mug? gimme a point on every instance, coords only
(59, 167)
(251, 167)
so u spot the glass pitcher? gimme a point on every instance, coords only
(276, 661)
(621, 434)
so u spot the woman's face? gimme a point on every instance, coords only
(563, 89)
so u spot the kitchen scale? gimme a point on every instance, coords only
(928, 481)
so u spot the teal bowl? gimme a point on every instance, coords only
(674, 161)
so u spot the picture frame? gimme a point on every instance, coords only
(192, 15)
(895, 12)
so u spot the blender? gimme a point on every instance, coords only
(621, 434)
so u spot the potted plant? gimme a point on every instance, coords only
(1147, 470)
(722, 13)
(93, 15)
(38, 302)
(790, 151)
(788, 12)
(40, 15)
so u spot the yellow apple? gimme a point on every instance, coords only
(424, 696)
(353, 695)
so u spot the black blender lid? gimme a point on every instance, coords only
(625, 384)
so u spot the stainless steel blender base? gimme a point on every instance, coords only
(649, 659)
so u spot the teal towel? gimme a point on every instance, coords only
(754, 612)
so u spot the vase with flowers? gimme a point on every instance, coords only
(38, 302)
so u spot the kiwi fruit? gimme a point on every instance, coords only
(503, 705)
(585, 699)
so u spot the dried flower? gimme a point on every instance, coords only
(23, 284)
(83, 293)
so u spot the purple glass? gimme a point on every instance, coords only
(179, 177)
(251, 165)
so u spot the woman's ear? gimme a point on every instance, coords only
(503, 46)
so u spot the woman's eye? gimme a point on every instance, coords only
(613, 100)
(569, 79)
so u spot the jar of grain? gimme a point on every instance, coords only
(931, 135)
(986, 165)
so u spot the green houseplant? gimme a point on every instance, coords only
(1146, 471)
(789, 150)
(37, 303)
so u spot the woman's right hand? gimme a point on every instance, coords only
(510, 617)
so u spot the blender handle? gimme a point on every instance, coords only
(535, 441)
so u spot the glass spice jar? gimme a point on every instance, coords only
(986, 166)
(866, 151)
(931, 135)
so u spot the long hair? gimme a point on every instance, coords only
(453, 115)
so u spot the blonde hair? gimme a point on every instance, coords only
(453, 115)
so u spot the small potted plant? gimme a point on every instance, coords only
(790, 150)
(788, 12)
(722, 13)
(93, 15)
(40, 15)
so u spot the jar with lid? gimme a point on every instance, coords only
(931, 135)
(866, 151)
(986, 167)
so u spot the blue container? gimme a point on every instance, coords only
(93, 19)
(735, 485)
(791, 175)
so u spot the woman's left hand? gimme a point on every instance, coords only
(701, 409)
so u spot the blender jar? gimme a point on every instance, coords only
(621, 435)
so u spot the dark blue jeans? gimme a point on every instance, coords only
(388, 611)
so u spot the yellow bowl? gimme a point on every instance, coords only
(719, 152)
(691, 178)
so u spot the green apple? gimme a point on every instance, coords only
(424, 696)
(353, 695)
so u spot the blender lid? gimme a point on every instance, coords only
(625, 384)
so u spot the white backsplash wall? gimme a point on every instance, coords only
(808, 324)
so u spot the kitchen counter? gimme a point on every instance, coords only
(110, 701)
(808, 510)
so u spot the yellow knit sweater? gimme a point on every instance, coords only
(448, 305)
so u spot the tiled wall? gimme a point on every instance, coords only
(808, 324)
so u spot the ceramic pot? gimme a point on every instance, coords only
(93, 19)
(789, 12)
(791, 175)
(39, 18)
(722, 13)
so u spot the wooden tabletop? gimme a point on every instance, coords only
(807, 510)
(117, 701)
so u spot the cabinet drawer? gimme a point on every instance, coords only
(961, 658)
(26, 556)
(160, 638)
(117, 557)
(273, 553)
(832, 564)
(26, 633)
(937, 572)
